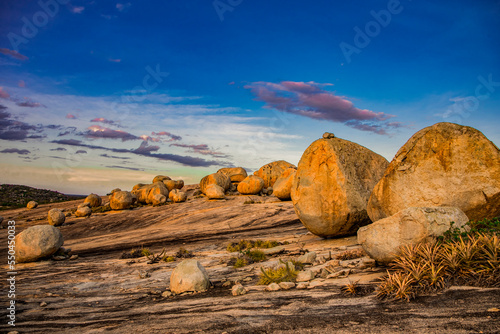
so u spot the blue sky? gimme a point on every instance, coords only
(103, 94)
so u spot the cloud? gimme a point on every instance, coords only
(67, 131)
(184, 160)
(102, 120)
(15, 150)
(81, 152)
(114, 157)
(145, 149)
(29, 104)
(123, 6)
(77, 10)
(70, 116)
(13, 54)
(97, 131)
(4, 94)
(11, 129)
(58, 149)
(21, 83)
(123, 167)
(167, 134)
(202, 149)
(309, 99)
(115, 60)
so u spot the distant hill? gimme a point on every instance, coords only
(17, 196)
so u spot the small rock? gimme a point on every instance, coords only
(493, 309)
(189, 275)
(344, 272)
(366, 262)
(59, 258)
(256, 288)
(287, 285)
(307, 258)
(56, 217)
(13, 332)
(274, 250)
(273, 287)
(227, 284)
(83, 211)
(73, 257)
(238, 290)
(248, 279)
(144, 274)
(167, 294)
(328, 135)
(31, 205)
(315, 283)
(43, 304)
(305, 276)
(302, 285)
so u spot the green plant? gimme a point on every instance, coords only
(472, 228)
(145, 252)
(282, 273)
(184, 253)
(240, 262)
(169, 259)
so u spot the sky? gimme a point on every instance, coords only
(96, 95)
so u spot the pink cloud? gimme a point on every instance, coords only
(21, 83)
(167, 134)
(102, 120)
(27, 102)
(70, 116)
(4, 94)
(97, 131)
(115, 60)
(13, 54)
(309, 99)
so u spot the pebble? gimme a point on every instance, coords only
(273, 287)
(304, 276)
(287, 285)
(167, 294)
(43, 304)
(238, 290)
(302, 285)
(73, 257)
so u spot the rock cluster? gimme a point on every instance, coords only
(272, 171)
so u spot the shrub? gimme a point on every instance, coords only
(282, 273)
(247, 244)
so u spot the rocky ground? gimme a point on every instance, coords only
(100, 292)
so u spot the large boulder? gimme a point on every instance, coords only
(121, 200)
(332, 185)
(160, 178)
(222, 180)
(272, 171)
(37, 242)
(158, 199)
(283, 185)
(94, 200)
(383, 239)
(236, 174)
(56, 217)
(442, 165)
(173, 184)
(189, 276)
(214, 191)
(146, 193)
(251, 185)
(31, 205)
(177, 196)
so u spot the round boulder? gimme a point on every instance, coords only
(177, 196)
(251, 185)
(37, 242)
(160, 178)
(94, 200)
(121, 200)
(332, 185)
(219, 179)
(236, 174)
(189, 276)
(83, 211)
(56, 217)
(283, 185)
(442, 165)
(159, 199)
(146, 193)
(214, 191)
(272, 171)
(383, 239)
(31, 205)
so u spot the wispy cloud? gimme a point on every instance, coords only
(97, 131)
(4, 94)
(184, 160)
(13, 54)
(70, 116)
(77, 10)
(103, 120)
(202, 149)
(115, 60)
(58, 149)
(15, 150)
(310, 99)
(21, 84)
(123, 6)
